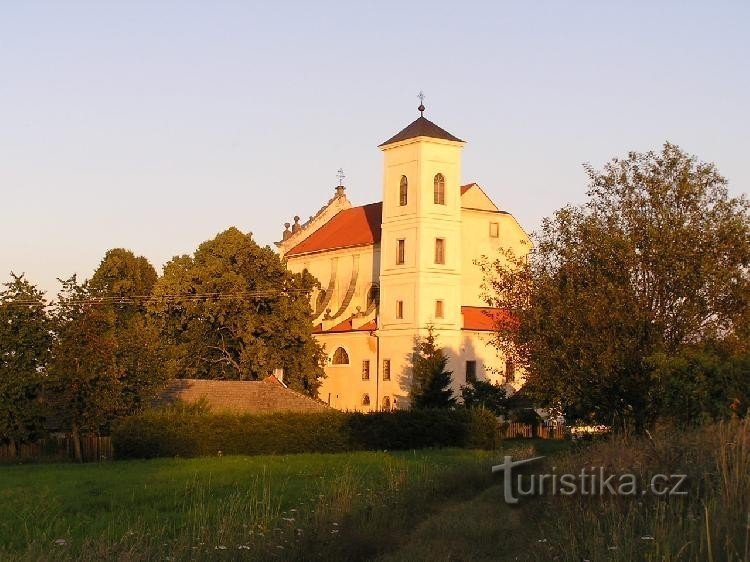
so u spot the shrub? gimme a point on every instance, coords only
(182, 432)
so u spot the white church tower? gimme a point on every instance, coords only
(420, 262)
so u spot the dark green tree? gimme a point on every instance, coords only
(655, 260)
(233, 310)
(431, 381)
(701, 384)
(83, 387)
(124, 283)
(108, 357)
(25, 340)
(484, 394)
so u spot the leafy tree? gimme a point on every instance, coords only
(701, 384)
(84, 386)
(233, 310)
(124, 283)
(656, 259)
(25, 340)
(122, 274)
(484, 394)
(108, 357)
(431, 381)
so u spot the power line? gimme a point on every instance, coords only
(155, 298)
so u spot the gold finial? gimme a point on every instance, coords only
(421, 107)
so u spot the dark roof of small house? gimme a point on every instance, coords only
(266, 396)
(421, 127)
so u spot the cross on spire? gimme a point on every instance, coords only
(340, 175)
(421, 107)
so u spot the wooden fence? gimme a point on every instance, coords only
(541, 431)
(93, 449)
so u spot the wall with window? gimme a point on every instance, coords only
(485, 233)
(347, 382)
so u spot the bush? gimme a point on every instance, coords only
(181, 432)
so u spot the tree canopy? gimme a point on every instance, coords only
(233, 310)
(25, 340)
(655, 260)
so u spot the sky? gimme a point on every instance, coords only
(154, 126)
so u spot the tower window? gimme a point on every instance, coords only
(340, 357)
(440, 250)
(403, 192)
(494, 230)
(365, 399)
(471, 371)
(439, 309)
(366, 370)
(400, 310)
(439, 189)
(386, 403)
(401, 252)
(386, 369)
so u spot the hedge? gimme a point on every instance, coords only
(185, 433)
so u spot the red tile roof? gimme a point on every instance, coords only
(358, 226)
(483, 318)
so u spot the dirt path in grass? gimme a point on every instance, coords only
(483, 528)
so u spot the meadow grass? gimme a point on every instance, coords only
(306, 506)
(710, 523)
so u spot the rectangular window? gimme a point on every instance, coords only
(438, 309)
(510, 371)
(471, 371)
(401, 252)
(440, 250)
(386, 369)
(366, 370)
(494, 230)
(400, 310)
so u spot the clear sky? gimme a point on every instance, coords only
(155, 125)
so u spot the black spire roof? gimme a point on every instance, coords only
(421, 127)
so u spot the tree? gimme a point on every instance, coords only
(655, 260)
(233, 310)
(701, 384)
(107, 358)
(124, 283)
(84, 386)
(25, 340)
(484, 394)
(431, 381)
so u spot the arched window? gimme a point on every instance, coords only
(373, 296)
(439, 185)
(365, 399)
(386, 403)
(340, 356)
(403, 192)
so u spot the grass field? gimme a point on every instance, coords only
(295, 506)
(433, 505)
